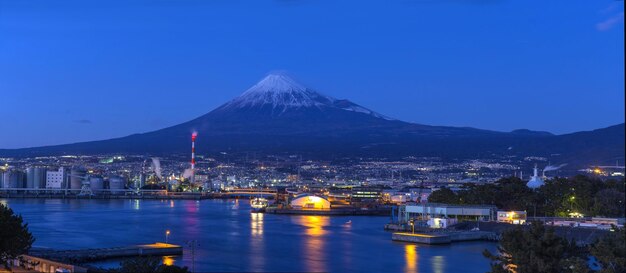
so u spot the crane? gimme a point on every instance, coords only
(85, 188)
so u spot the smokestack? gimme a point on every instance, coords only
(193, 157)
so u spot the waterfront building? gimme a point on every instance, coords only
(429, 211)
(306, 201)
(55, 179)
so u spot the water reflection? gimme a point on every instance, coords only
(438, 264)
(314, 224)
(411, 258)
(257, 246)
(256, 224)
(314, 249)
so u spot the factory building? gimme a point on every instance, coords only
(55, 179)
(535, 181)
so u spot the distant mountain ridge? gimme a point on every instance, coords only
(280, 115)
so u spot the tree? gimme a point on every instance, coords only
(610, 251)
(443, 195)
(15, 239)
(534, 250)
(609, 203)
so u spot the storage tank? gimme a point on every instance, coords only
(35, 178)
(96, 184)
(5, 177)
(76, 180)
(30, 177)
(116, 184)
(13, 179)
(40, 178)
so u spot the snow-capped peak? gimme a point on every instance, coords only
(280, 93)
(279, 90)
(276, 83)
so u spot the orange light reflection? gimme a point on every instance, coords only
(411, 258)
(168, 260)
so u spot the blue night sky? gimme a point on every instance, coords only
(86, 70)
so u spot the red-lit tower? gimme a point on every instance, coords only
(193, 157)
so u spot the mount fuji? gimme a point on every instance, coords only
(280, 115)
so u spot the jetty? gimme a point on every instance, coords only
(439, 238)
(94, 254)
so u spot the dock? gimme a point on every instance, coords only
(95, 254)
(441, 238)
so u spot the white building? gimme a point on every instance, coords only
(55, 179)
(434, 210)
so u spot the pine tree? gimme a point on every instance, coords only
(15, 239)
(534, 250)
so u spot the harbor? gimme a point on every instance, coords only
(231, 238)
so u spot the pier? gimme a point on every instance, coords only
(94, 254)
(443, 237)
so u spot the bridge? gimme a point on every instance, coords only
(250, 193)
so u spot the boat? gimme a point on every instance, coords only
(259, 204)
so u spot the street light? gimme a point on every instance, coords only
(167, 235)
(412, 226)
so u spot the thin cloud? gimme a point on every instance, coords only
(610, 22)
(83, 121)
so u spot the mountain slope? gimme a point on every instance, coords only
(280, 115)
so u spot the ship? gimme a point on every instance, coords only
(259, 204)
